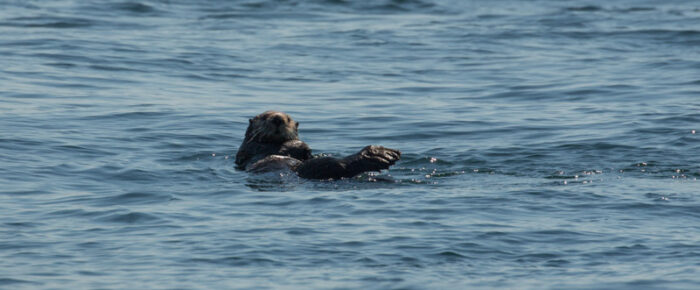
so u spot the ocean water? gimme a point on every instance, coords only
(546, 144)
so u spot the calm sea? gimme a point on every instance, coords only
(546, 144)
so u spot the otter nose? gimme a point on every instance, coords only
(277, 120)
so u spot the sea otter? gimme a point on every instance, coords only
(272, 143)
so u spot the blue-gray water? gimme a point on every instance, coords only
(546, 144)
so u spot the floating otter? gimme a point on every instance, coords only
(272, 143)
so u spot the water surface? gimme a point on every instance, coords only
(546, 144)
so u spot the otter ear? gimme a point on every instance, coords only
(250, 121)
(297, 125)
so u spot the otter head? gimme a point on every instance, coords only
(272, 127)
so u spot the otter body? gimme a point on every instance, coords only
(272, 143)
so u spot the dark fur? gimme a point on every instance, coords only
(272, 143)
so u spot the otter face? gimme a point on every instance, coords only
(272, 127)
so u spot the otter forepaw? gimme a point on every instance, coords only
(378, 157)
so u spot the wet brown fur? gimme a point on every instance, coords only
(272, 143)
(272, 127)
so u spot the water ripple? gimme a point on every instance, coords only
(538, 138)
(49, 22)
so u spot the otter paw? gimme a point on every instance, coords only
(378, 157)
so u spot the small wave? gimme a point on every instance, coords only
(587, 8)
(634, 9)
(61, 64)
(595, 146)
(639, 284)
(262, 15)
(130, 218)
(538, 257)
(676, 35)
(682, 120)
(85, 150)
(11, 281)
(35, 42)
(49, 22)
(23, 224)
(136, 175)
(65, 57)
(595, 8)
(365, 6)
(14, 143)
(449, 255)
(75, 213)
(133, 115)
(236, 261)
(134, 198)
(134, 7)
(92, 273)
(397, 6)
(114, 68)
(302, 231)
(633, 250)
(375, 212)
